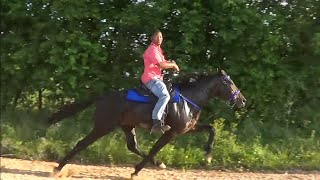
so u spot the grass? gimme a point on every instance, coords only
(24, 135)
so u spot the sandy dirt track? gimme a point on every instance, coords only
(39, 170)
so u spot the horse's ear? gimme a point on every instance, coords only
(219, 69)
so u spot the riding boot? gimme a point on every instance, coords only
(158, 126)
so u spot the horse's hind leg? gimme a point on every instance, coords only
(133, 145)
(82, 144)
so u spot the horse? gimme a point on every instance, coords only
(114, 110)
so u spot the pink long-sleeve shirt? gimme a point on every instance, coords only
(152, 57)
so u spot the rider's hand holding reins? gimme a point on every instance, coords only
(175, 66)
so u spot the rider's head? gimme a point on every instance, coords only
(157, 37)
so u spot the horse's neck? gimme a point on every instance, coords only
(199, 94)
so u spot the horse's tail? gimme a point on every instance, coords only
(69, 110)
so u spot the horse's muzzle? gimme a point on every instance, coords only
(242, 103)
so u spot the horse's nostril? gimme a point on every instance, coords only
(244, 101)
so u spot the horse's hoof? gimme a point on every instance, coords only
(56, 170)
(55, 173)
(208, 159)
(162, 166)
(134, 175)
(58, 173)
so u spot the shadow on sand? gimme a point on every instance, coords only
(61, 174)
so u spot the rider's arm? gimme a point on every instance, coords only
(168, 65)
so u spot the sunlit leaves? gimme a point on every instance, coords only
(69, 47)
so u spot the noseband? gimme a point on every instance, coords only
(234, 95)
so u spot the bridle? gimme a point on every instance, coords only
(234, 95)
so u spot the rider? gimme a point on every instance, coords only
(154, 62)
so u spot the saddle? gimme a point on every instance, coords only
(144, 95)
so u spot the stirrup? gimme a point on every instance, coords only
(159, 127)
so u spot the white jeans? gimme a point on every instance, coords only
(159, 89)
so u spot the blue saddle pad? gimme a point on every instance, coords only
(134, 95)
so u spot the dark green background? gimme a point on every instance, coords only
(53, 52)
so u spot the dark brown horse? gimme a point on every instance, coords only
(114, 111)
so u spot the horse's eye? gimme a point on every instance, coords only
(224, 82)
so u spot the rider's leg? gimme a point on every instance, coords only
(160, 90)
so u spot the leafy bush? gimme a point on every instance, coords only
(24, 137)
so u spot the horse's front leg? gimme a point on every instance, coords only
(209, 146)
(162, 141)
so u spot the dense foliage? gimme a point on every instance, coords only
(53, 52)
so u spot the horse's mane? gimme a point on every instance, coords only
(190, 79)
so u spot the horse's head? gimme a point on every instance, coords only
(228, 91)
